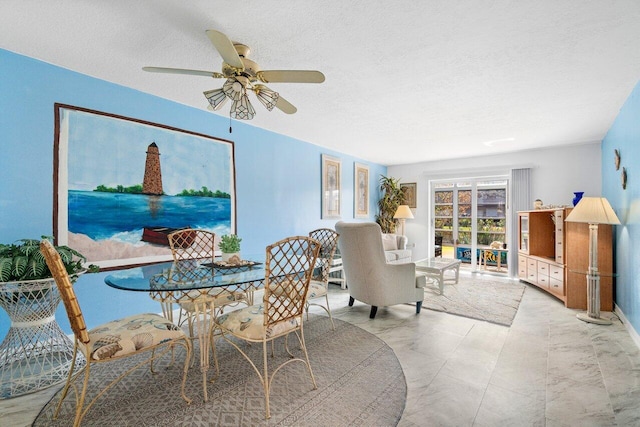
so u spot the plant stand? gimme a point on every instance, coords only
(35, 354)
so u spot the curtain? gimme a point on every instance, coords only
(520, 197)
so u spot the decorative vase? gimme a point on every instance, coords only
(578, 196)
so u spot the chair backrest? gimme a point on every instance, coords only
(192, 244)
(328, 239)
(65, 287)
(288, 268)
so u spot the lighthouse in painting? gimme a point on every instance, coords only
(152, 183)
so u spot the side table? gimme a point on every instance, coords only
(35, 354)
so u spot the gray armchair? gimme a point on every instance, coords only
(371, 279)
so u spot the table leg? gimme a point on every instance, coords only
(204, 319)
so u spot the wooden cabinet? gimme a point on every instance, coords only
(554, 255)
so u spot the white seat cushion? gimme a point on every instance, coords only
(131, 334)
(248, 323)
(316, 289)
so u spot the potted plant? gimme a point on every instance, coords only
(392, 197)
(22, 261)
(230, 246)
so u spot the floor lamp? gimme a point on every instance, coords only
(403, 212)
(593, 211)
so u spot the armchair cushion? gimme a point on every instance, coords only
(389, 242)
(395, 248)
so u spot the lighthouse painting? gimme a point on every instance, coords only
(121, 182)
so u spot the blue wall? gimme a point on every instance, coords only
(624, 136)
(274, 173)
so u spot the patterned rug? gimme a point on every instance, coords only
(360, 383)
(491, 299)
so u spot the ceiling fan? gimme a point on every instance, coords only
(243, 75)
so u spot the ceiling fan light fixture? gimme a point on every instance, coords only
(266, 96)
(242, 109)
(216, 98)
(234, 88)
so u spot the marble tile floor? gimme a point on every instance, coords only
(547, 369)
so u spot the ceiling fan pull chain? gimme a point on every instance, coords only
(230, 130)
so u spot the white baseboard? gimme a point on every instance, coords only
(634, 335)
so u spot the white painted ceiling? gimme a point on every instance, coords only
(406, 81)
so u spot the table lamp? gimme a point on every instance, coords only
(403, 212)
(594, 211)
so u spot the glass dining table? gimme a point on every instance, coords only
(193, 283)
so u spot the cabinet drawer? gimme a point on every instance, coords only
(543, 268)
(532, 270)
(543, 274)
(559, 250)
(556, 273)
(556, 286)
(522, 267)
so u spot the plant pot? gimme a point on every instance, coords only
(226, 256)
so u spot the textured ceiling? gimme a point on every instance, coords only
(406, 81)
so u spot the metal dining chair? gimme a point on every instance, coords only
(319, 286)
(111, 342)
(288, 269)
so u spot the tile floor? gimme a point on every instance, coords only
(547, 369)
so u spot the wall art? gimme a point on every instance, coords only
(361, 191)
(409, 190)
(122, 184)
(331, 184)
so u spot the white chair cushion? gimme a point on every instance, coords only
(248, 323)
(316, 289)
(131, 334)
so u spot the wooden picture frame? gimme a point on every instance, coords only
(409, 190)
(360, 190)
(122, 184)
(331, 185)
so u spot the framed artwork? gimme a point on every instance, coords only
(331, 179)
(361, 191)
(409, 190)
(121, 185)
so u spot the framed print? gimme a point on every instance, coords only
(121, 185)
(409, 190)
(361, 191)
(331, 179)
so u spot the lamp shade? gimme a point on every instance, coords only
(593, 210)
(403, 212)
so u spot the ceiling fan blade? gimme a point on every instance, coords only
(184, 71)
(225, 48)
(285, 106)
(291, 76)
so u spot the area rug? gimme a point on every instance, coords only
(360, 383)
(489, 299)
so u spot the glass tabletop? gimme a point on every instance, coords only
(437, 262)
(185, 275)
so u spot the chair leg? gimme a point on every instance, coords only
(418, 307)
(333, 327)
(266, 383)
(351, 300)
(374, 310)
(70, 379)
